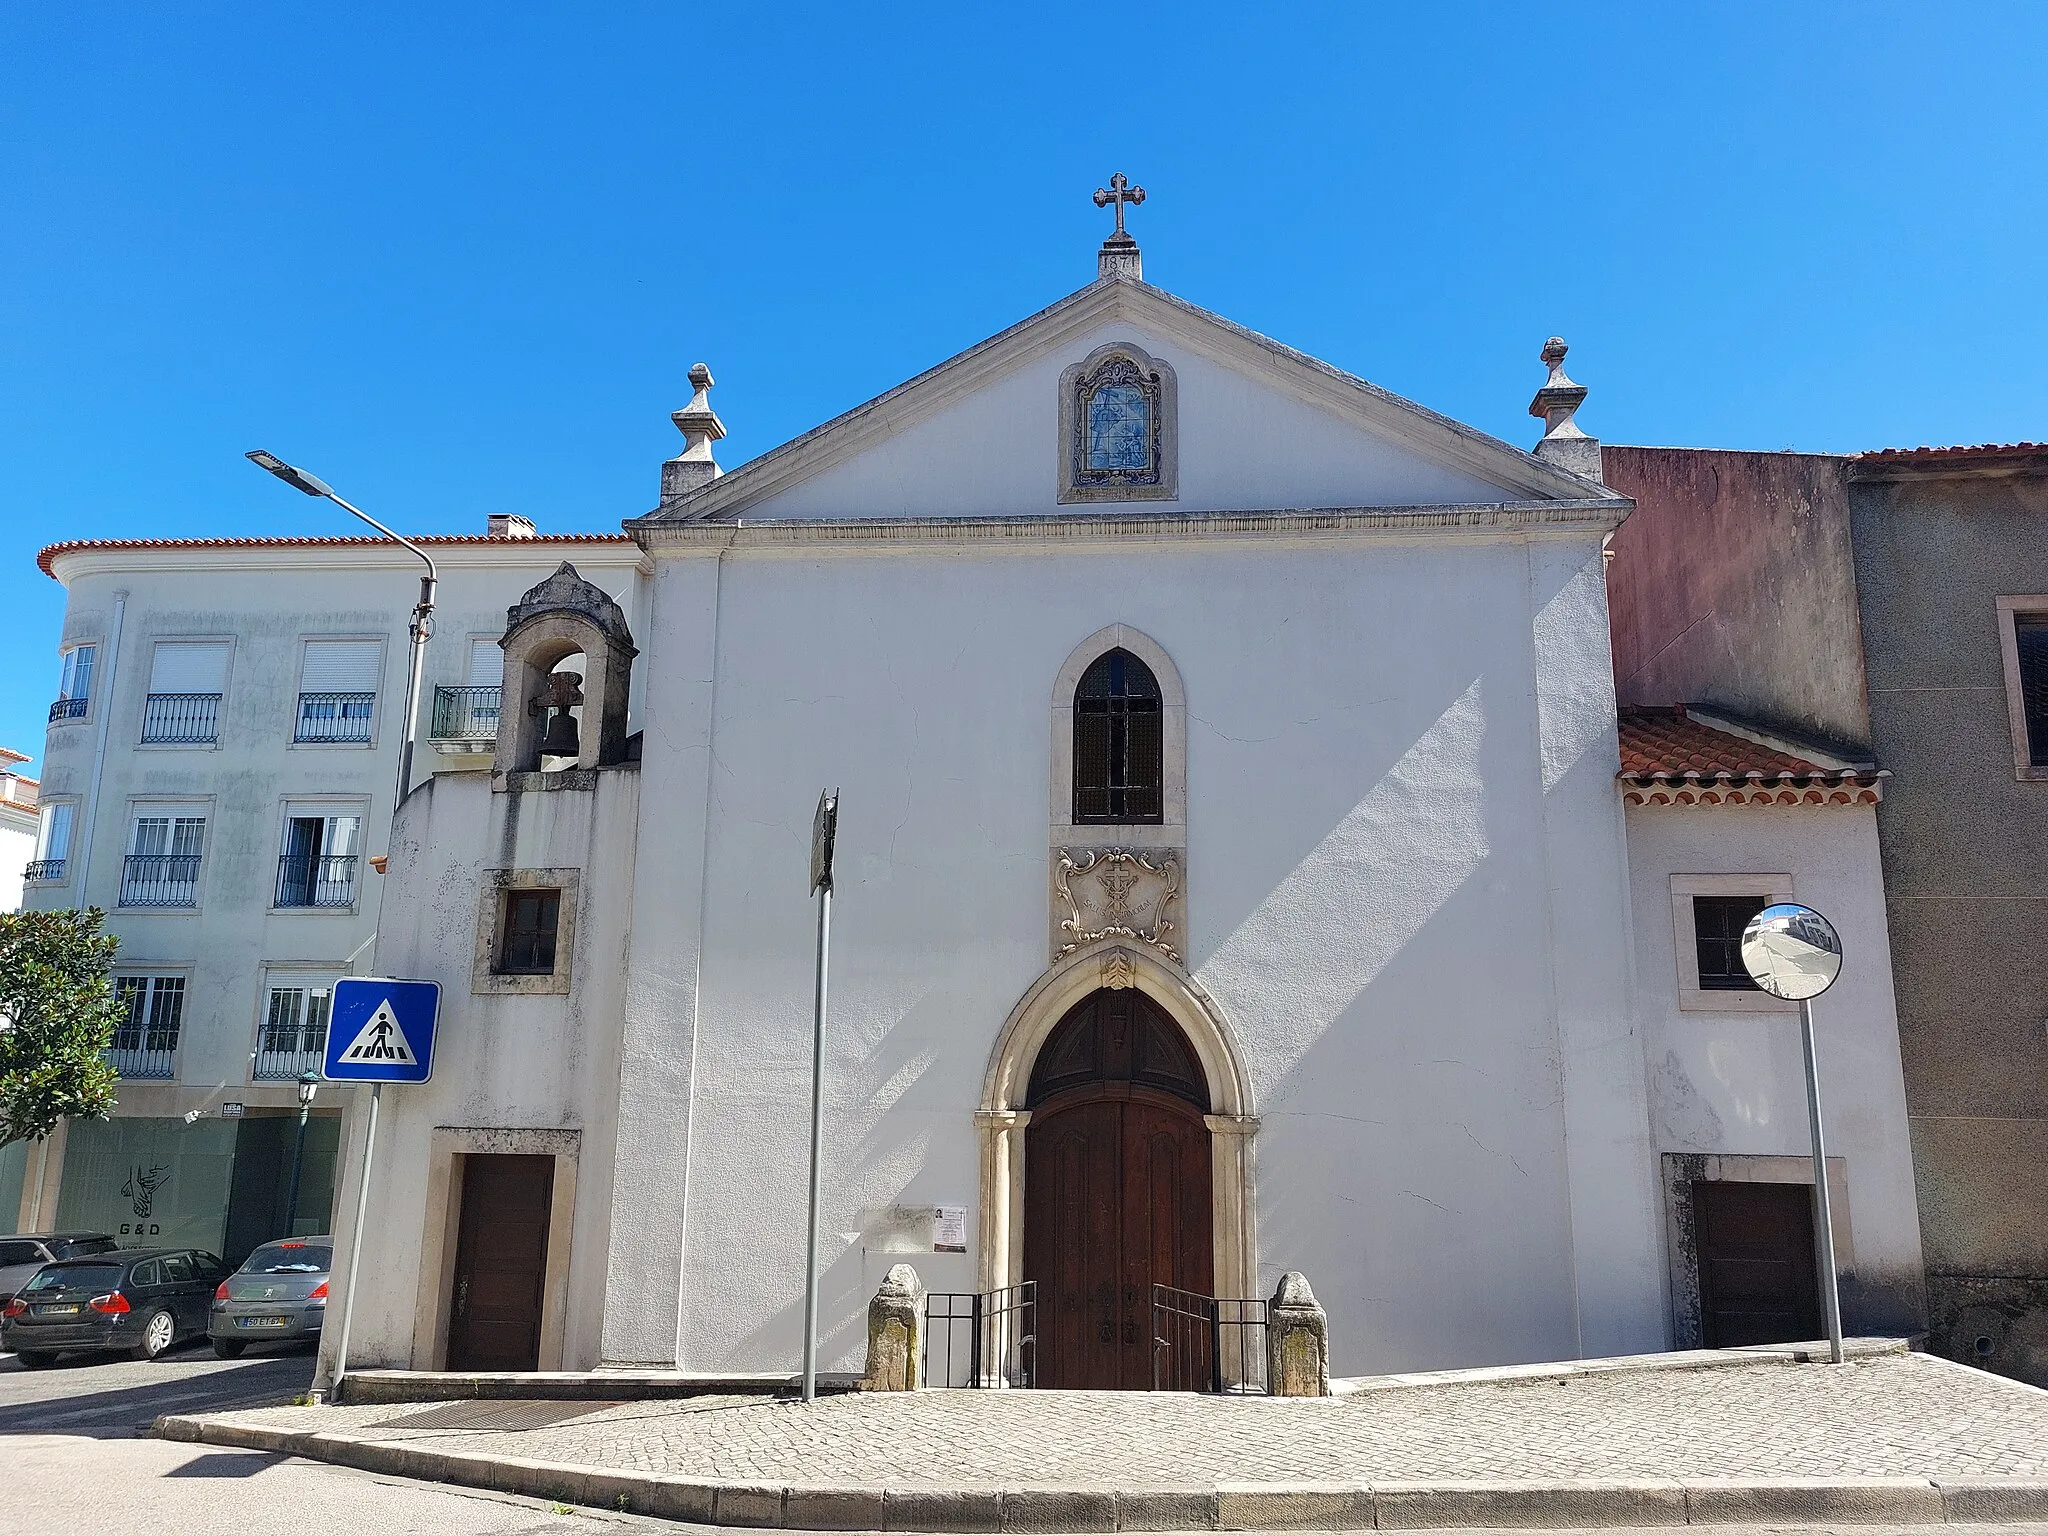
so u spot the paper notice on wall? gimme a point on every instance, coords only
(949, 1229)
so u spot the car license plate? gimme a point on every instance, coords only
(261, 1322)
(55, 1309)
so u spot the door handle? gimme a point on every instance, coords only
(461, 1295)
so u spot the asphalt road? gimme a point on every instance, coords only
(105, 1396)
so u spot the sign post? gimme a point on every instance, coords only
(824, 831)
(379, 1030)
(1794, 953)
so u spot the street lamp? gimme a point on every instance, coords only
(422, 612)
(309, 1084)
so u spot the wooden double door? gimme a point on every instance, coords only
(1117, 1191)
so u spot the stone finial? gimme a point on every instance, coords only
(700, 426)
(896, 1334)
(1297, 1341)
(1556, 402)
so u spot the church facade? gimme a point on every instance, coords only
(1233, 878)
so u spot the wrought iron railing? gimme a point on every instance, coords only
(316, 880)
(335, 716)
(466, 714)
(143, 1060)
(181, 717)
(1207, 1343)
(68, 709)
(160, 880)
(43, 869)
(279, 1056)
(982, 1339)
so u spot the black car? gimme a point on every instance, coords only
(142, 1300)
(23, 1253)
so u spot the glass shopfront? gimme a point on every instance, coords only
(151, 1183)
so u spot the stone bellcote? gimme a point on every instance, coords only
(564, 616)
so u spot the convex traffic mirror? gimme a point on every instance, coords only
(1791, 951)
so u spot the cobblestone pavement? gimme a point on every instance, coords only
(1889, 1416)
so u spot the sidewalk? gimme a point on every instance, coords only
(1892, 1437)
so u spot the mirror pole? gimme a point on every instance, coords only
(1823, 1218)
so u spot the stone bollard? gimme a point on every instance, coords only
(1297, 1341)
(896, 1334)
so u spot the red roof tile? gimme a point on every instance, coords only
(50, 552)
(1980, 450)
(1669, 758)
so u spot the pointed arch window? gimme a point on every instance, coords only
(1118, 742)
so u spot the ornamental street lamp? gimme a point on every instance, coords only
(422, 612)
(309, 1084)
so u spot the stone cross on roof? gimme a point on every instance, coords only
(1119, 191)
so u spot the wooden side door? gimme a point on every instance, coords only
(1759, 1281)
(1165, 1234)
(1073, 1198)
(501, 1254)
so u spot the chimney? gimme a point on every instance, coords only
(1556, 402)
(693, 467)
(509, 525)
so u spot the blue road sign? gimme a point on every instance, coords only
(381, 1030)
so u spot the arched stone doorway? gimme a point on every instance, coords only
(1005, 1117)
(1117, 1187)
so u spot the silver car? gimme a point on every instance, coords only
(279, 1293)
(23, 1253)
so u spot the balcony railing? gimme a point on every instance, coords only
(466, 714)
(160, 880)
(316, 880)
(335, 716)
(143, 1053)
(282, 1058)
(67, 709)
(44, 869)
(181, 717)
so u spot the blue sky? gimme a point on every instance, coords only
(457, 258)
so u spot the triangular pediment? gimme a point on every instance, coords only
(1260, 427)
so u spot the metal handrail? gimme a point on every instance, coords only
(181, 717)
(316, 880)
(467, 713)
(143, 1061)
(160, 880)
(335, 716)
(1001, 1343)
(68, 709)
(1208, 1343)
(290, 1061)
(43, 869)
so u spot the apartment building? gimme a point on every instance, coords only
(18, 827)
(219, 778)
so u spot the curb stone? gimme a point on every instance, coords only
(1575, 1503)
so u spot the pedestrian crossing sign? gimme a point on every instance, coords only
(381, 1030)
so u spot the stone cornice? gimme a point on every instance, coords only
(119, 558)
(1586, 516)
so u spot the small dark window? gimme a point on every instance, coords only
(1119, 745)
(1717, 924)
(2031, 631)
(527, 947)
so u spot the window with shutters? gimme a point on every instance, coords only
(187, 679)
(1118, 742)
(338, 691)
(527, 933)
(318, 863)
(466, 714)
(53, 841)
(145, 1042)
(293, 1035)
(2023, 624)
(165, 847)
(74, 684)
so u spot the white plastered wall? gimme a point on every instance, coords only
(1397, 775)
(1732, 1082)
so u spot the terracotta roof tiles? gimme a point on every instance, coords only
(1668, 758)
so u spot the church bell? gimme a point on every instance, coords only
(560, 739)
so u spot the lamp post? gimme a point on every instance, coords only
(309, 1084)
(422, 611)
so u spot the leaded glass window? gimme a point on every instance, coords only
(1119, 746)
